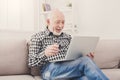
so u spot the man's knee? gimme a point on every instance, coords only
(86, 59)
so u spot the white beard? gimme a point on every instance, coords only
(54, 32)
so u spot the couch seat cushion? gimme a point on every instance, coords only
(112, 74)
(17, 77)
(37, 77)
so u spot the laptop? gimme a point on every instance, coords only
(80, 46)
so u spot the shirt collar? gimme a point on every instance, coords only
(47, 32)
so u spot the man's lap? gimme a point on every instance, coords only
(64, 69)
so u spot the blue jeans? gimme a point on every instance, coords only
(82, 68)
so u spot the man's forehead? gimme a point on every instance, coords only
(59, 17)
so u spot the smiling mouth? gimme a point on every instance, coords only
(58, 30)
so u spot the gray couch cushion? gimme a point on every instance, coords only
(17, 77)
(37, 77)
(13, 54)
(107, 54)
(35, 71)
(112, 74)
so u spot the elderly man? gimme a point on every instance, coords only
(52, 44)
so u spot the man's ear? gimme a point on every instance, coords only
(48, 22)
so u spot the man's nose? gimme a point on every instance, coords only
(61, 25)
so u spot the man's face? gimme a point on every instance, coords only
(56, 23)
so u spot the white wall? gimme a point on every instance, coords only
(93, 17)
(17, 15)
(99, 18)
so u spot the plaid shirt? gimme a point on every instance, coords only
(40, 41)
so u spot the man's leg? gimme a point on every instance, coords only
(61, 70)
(91, 70)
(71, 69)
(81, 78)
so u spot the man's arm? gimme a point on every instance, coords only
(36, 55)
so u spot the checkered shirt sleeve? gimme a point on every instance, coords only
(38, 44)
(36, 55)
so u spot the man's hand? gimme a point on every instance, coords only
(91, 55)
(52, 50)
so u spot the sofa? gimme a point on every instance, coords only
(14, 57)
